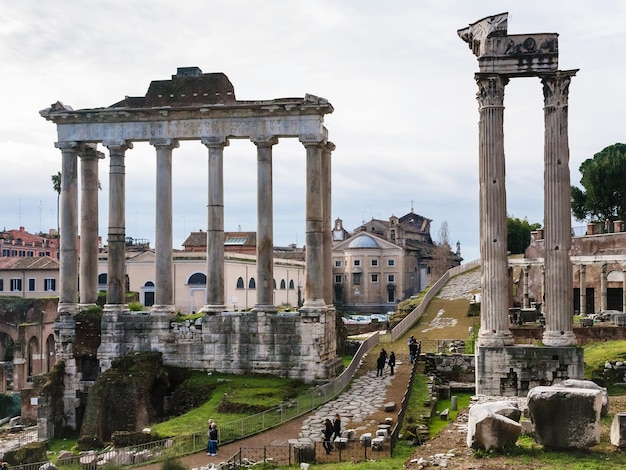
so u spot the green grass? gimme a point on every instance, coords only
(596, 354)
(437, 424)
(248, 390)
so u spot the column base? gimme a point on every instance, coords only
(495, 339)
(558, 338)
(265, 308)
(162, 310)
(68, 308)
(115, 308)
(212, 309)
(313, 305)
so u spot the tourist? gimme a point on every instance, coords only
(380, 364)
(328, 434)
(392, 361)
(413, 351)
(212, 445)
(208, 443)
(337, 426)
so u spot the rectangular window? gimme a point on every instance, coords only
(391, 278)
(6, 253)
(1, 285)
(391, 296)
(374, 262)
(356, 278)
(337, 263)
(391, 262)
(22, 253)
(41, 253)
(30, 254)
(50, 284)
(31, 284)
(16, 285)
(338, 279)
(13, 252)
(374, 277)
(357, 262)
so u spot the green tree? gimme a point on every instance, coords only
(604, 194)
(518, 234)
(56, 185)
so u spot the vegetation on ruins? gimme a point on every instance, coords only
(602, 177)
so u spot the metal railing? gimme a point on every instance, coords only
(408, 321)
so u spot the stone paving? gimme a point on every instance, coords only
(462, 286)
(365, 397)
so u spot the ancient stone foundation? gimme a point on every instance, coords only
(514, 370)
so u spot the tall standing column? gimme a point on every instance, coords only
(215, 230)
(327, 222)
(265, 224)
(68, 275)
(163, 238)
(557, 211)
(583, 290)
(624, 289)
(603, 284)
(314, 283)
(89, 224)
(494, 321)
(116, 266)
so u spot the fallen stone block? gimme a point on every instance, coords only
(366, 439)
(505, 408)
(565, 417)
(390, 406)
(574, 383)
(349, 433)
(488, 430)
(378, 443)
(618, 431)
(341, 442)
(384, 433)
(445, 414)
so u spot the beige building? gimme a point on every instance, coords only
(189, 270)
(30, 277)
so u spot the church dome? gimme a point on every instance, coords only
(363, 242)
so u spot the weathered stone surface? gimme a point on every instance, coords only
(390, 406)
(366, 439)
(506, 408)
(618, 431)
(565, 417)
(489, 430)
(573, 383)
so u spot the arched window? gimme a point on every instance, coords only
(274, 284)
(240, 283)
(282, 284)
(102, 279)
(197, 279)
(291, 286)
(252, 283)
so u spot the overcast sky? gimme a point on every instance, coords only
(400, 80)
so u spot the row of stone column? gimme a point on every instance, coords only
(494, 330)
(318, 290)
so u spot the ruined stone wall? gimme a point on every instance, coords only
(450, 367)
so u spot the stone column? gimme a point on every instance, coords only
(624, 289)
(265, 224)
(327, 222)
(557, 212)
(215, 230)
(603, 283)
(163, 238)
(116, 266)
(543, 288)
(494, 321)
(68, 247)
(526, 302)
(314, 282)
(89, 186)
(583, 289)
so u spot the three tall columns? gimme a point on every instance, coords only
(557, 207)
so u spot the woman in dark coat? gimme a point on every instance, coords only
(392, 361)
(328, 434)
(380, 364)
(337, 426)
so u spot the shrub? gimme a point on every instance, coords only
(89, 443)
(133, 438)
(135, 306)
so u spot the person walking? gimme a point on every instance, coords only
(413, 351)
(336, 426)
(392, 361)
(380, 364)
(208, 443)
(328, 434)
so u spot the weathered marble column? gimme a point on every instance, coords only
(265, 224)
(603, 284)
(314, 283)
(89, 186)
(583, 289)
(557, 211)
(163, 238)
(624, 289)
(327, 222)
(526, 302)
(215, 229)
(116, 266)
(68, 247)
(494, 320)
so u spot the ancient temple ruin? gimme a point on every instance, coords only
(200, 107)
(503, 368)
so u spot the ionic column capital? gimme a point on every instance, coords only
(330, 147)
(164, 143)
(312, 140)
(217, 141)
(490, 89)
(117, 146)
(264, 141)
